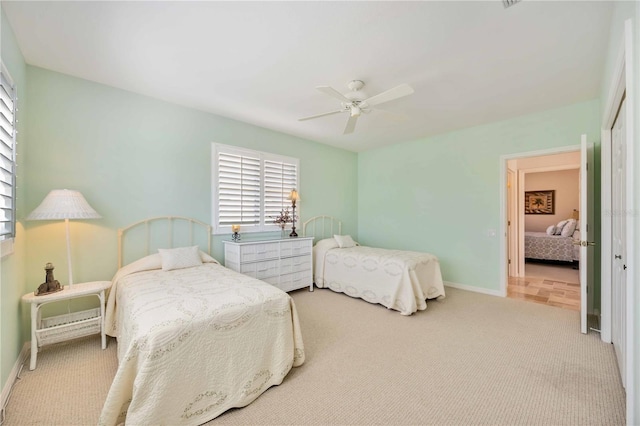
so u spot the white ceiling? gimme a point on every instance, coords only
(259, 62)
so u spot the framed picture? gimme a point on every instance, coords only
(539, 202)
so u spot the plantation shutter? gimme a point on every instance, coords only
(280, 177)
(250, 188)
(7, 157)
(238, 189)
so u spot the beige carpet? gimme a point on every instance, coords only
(468, 359)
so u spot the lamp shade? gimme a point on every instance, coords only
(293, 195)
(63, 204)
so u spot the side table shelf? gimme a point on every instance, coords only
(59, 328)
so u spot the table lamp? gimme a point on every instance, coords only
(293, 196)
(235, 236)
(64, 204)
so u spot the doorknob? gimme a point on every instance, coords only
(587, 243)
(617, 256)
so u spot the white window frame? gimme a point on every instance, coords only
(265, 223)
(6, 241)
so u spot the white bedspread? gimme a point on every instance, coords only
(194, 342)
(397, 279)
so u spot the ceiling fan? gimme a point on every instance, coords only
(355, 103)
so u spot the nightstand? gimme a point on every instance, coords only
(46, 331)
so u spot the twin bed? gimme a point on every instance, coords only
(196, 339)
(398, 279)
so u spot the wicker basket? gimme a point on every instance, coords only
(69, 326)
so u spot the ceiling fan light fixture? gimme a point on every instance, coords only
(508, 3)
(355, 111)
(355, 85)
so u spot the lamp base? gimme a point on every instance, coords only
(293, 227)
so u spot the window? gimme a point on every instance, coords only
(250, 187)
(7, 156)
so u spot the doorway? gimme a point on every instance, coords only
(586, 217)
(545, 269)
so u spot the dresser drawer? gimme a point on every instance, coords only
(295, 264)
(295, 248)
(261, 270)
(251, 253)
(294, 281)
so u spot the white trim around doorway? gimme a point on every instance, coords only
(504, 254)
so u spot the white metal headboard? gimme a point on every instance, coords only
(328, 226)
(174, 227)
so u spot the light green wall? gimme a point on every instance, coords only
(442, 194)
(134, 157)
(12, 285)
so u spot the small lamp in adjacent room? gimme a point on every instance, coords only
(293, 196)
(64, 204)
(575, 214)
(235, 236)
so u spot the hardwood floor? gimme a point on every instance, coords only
(545, 289)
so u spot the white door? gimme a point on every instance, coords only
(512, 219)
(618, 240)
(586, 228)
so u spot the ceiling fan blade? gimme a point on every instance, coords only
(351, 124)
(320, 115)
(328, 90)
(389, 95)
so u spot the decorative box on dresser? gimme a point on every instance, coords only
(283, 262)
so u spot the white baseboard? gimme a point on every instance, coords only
(475, 289)
(22, 358)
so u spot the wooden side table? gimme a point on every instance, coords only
(46, 331)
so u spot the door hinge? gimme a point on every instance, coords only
(509, 262)
(508, 223)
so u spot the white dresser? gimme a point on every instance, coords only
(283, 262)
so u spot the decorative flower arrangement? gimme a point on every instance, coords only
(283, 218)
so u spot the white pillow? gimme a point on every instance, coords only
(344, 241)
(569, 228)
(551, 230)
(181, 257)
(326, 244)
(559, 227)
